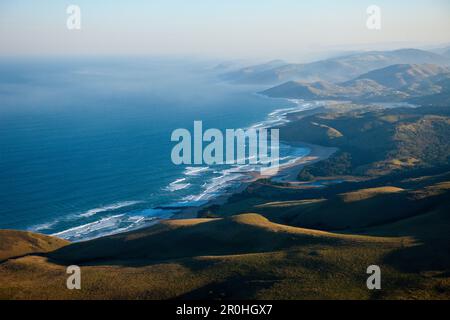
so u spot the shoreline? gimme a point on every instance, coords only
(286, 173)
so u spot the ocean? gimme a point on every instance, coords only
(85, 142)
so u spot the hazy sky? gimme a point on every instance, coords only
(226, 28)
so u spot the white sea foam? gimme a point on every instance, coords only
(76, 216)
(114, 224)
(43, 226)
(195, 171)
(178, 185)
(279, 116)
(216, 186)
(111, 207)
(83, 230)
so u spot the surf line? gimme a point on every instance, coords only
(237, 146)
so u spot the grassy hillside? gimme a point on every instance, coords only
(20, 243)
(347, 205)
(246, 233)
(355, 209)
(373, 141)
(402, 227)
(268, 261)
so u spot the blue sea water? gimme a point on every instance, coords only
(85, 142)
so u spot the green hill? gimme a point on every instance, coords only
(246, 233)
(400, 138)
(19, 243)
(268, 261)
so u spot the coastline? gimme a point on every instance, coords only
(287, 173)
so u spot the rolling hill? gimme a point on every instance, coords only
(244, 256)
(400, 139)
(245, 233)
(19, 243)
(398, 82)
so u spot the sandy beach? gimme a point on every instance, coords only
(286, 173)
(289, 172)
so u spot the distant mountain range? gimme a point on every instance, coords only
(399, 82)
(338, 69)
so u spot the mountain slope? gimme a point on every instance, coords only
(303, 90)
(403, 76)
(399, 139)
(357, 90)
(394, 83)
(337, 69)
(439, 99)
